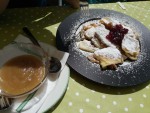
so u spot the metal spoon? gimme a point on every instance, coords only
(55, 64)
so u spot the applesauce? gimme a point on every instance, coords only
(21, 74)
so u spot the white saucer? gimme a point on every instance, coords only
(58, 84)
(58, 90)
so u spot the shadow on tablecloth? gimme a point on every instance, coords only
(43, 22)
(104, 88)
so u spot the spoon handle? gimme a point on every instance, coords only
(55, 64)
(30, 36)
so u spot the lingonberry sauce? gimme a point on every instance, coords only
(116, 34)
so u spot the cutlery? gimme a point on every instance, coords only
(4, 102)
(55, 64)
(84, 7)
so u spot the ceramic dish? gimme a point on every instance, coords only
(17, 57)
(135, 73)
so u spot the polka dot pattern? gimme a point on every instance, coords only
(81, 110)
(87, 100)
(126, 109)
(82, 96)
(114, 103)
(77, 93)
(98, 106)
(130, 99)
(141, 105)
(70, 103)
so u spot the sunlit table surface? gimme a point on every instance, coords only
(82, 95)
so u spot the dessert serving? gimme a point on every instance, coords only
(107, 47)
(108, 42)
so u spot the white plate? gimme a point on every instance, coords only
(58, 90)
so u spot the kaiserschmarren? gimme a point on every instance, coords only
(108, 42)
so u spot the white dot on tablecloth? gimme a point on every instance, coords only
(12, 35)
(147, 87)
(93, 91)
(37, 25)
(146, 16)
(19, 30)
(5, 31)
(5, 40)
(31, 29)
(14, 20)
(70, 104)
(126, 109)
(77, 93)
(144, 95)
(103, 96)
(114, 103)
(130, 99)
(98, 106)
(141, 105)
(87, 100)
(109, 112)
(20, 23)
(68, 88)
(13, 27)
(81, 110)
(44, 36)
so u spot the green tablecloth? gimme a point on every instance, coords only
(82, 95)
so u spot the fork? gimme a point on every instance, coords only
(4, 102)
(84, 7)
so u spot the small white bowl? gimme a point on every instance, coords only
(18, 49)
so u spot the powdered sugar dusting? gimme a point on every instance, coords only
(90, 32)
(87, 24)
(130, 44)
(109, 52)
(102, 32)
(123, 71)
(124, 68)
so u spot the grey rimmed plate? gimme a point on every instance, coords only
(129, 74)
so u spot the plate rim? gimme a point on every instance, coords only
(62, 83)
